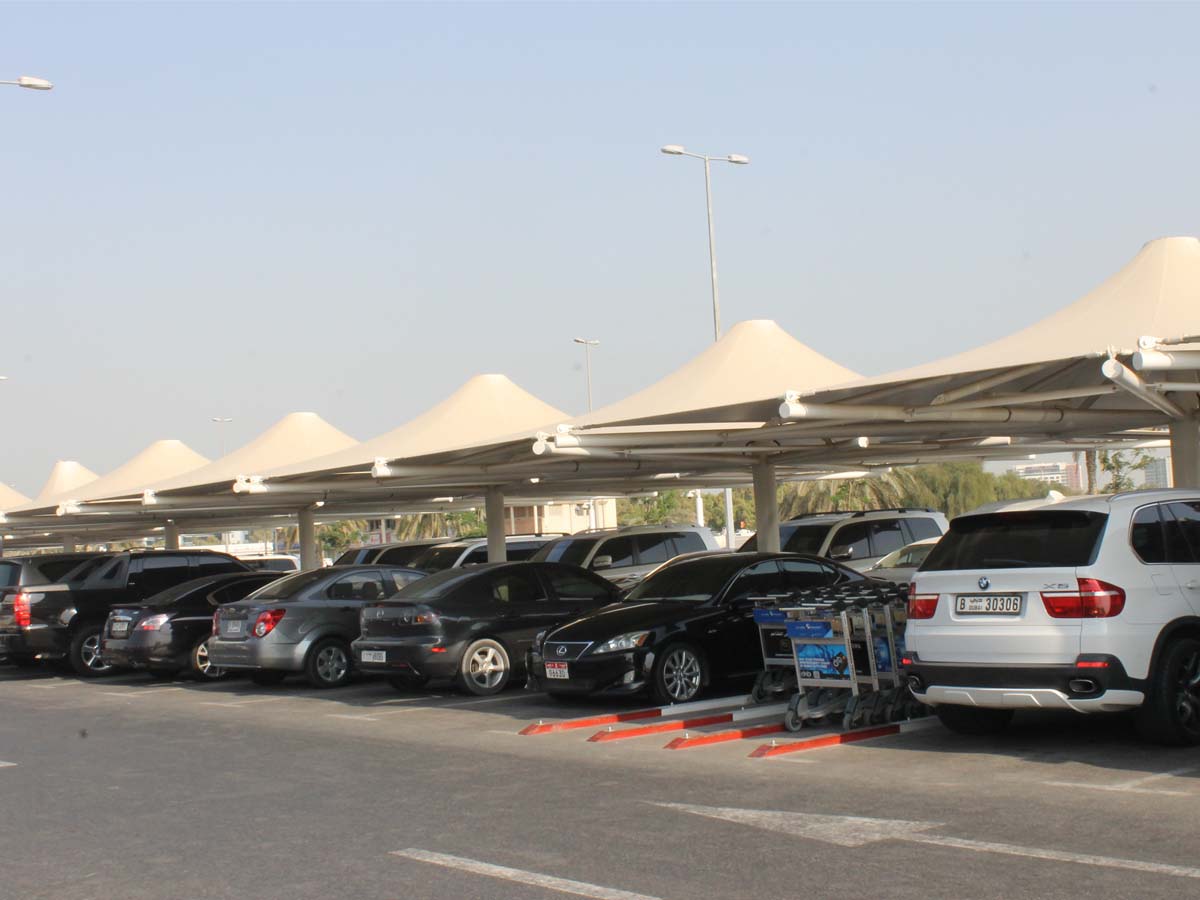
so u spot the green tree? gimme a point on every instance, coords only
(1120, 466)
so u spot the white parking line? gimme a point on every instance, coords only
(520, 876)
(236, 703)
(6, 765)
(1134, 786)
(371, 717)
(408, 699)
(483, 700)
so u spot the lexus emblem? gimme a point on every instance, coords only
(984, 583)
(562, 650)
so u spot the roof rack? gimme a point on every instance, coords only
(627, 529)
(858, 513)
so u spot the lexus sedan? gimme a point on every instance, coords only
(302, 623)
(689, 624)
(169, 633)
(475, 624)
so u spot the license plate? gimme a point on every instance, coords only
(233, 627)
(374, 656)
(557, 670)
(988, 605)
(120, 629)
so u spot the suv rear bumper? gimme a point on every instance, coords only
(1102, 686)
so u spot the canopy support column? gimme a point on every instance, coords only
(494, 511)
(730, 525)
(70, 543)
(699, 508)
(308, 539)
(1185, 453)
(171, 535)
(766, 506)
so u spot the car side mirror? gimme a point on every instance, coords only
(838, 554)
(602, 562)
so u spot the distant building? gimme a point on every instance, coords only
(1065, 474)
(1158, 474)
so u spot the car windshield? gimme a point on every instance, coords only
(290, 585)
(1019, 540)
(349, 558)
(173, 594)
(692, 581)
(109, 575)
(83, 569)
(794, 538)
(572, 551)
(435, 559)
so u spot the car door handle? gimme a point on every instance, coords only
(1193, 585)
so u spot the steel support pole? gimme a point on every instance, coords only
(1185, 453)
(171, 536)
(766, 506)
(70, 543)
(699, 509)
(494, 510)
(309, 559)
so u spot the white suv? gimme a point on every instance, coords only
(473, 551)
(856, 539)
(1090, 605)
(628, 554)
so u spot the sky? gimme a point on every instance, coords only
(242, 210)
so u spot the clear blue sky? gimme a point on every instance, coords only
(244, 210)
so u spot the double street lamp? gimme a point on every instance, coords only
(738, 160)
(587, 355)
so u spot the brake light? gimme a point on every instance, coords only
(1092, 664)
(216, 616)
(266, 622)
(21, 610)
(1094, 599)
(921, 606)
(153, 623)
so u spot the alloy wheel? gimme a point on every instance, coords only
(682, 674)
(203, 666)
(332, 664)
(1187, 694)
(486, 667)
(89, 652)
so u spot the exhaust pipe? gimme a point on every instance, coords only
(1081, 685)
(915, 684)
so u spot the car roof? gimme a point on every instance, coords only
(1101, 503)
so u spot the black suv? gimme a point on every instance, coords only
(17, 572)
(64, 620)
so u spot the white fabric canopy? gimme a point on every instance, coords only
(10, 498)
(66, 476)
(296, 436)
(484, 409)
(161, 460)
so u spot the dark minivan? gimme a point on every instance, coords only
(473, 624)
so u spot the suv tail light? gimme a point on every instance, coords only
(1094, 599)
(921, 606)
(266, 622)
(216, 618)
(21, 610)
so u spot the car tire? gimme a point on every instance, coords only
(680, 674)
(973, 720)
(268, 677)
(198, 663)
(408, 682)
(1171, 712)
(83, 655)
(329, 663)
(485, 668)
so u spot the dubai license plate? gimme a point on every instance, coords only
(120, 628)
(988, 605)
(557, 670)
(234, 627)
(374, 656)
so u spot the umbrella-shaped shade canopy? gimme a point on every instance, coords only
(484, 409)
(161, 460)
(66, 476)
(10, 498)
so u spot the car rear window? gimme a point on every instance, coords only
(9, 573)
(437, 559)
(51, 571)
(1019, 540)
(572, 551)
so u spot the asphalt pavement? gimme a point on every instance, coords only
(127, 787)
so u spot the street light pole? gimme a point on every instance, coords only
(221, 420)
(738, 160)
(587, 356)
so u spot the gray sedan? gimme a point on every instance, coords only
(302, 623)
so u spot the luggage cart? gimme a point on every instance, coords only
(835, 650)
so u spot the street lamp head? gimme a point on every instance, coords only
(673, 150)
(738, 160)
(34, 84)
(587, 342)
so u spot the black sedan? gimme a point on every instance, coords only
(474, 624)
(691, 622)
(169, 633)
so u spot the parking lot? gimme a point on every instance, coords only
(121, 786)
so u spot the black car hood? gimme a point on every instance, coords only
(620, 618)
